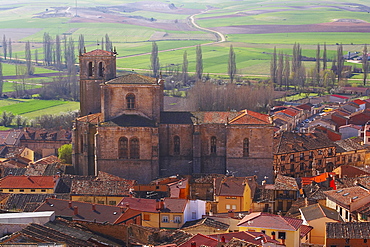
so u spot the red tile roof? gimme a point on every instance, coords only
(244, 235)
(339, 96)
(201, 240)
(83, 211)
(98, 53)
(347, 196)
(92, 118)
(304, 230)
(359, 101)
(250, 117)
(151, 205)
(29, 182)
(270, 221)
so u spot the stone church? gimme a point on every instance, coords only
(124, 130)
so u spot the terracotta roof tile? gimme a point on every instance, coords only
(201, 240)
(246, 236)
(285, 183)
(318, 211)
(271, 221)
(98, 52)
(348, 230)
(29, 182)
(206, 222)
(345, 197)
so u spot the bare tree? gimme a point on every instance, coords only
(10, 49)
(340, 61)
(286, 72)
(273, 67)
(232, 64)
(280, 69)
(48, 43)
(317, 67)
(199, 62)
(1, 78)
(185, 64)
(58, 54)
(108, 43)
(324, 58)
(81, 44)
(155, 59)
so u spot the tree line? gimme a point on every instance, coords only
(184, 75)
(288, 71)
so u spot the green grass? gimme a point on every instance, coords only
(32, 108)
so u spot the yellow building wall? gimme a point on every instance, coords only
(28, 191)
(247, 199)
(292, 237)
(105, 200)
(156, 220)
(223, 201)
(317, 234)
(152, 221)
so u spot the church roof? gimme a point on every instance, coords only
(130, 120)
(133, 79)
(98, 52)
(214, 117)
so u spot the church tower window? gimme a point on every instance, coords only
(213, 145)
(134, 148)
(101, 69)
(246, 147)
(123, 148)
(176, 145)
(130, 100)
(90, 69)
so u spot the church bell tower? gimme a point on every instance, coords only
(96, 67)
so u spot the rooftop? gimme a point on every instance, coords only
(270, 221)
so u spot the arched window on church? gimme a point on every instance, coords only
(176, 145)
(134, 148)
(123, 148)
(246, 147)
(90, 68)
(101, 69)
(213, 145)
(130, 100)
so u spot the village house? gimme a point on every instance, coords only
(234, 193)
(352, 151)
(303, 155)
(338, 98)
(205, 226)
(166, 213)
(285, 229)
(349, 130)
(29, 184)
(316, 216)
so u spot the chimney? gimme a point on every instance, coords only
(122, 209)
(75, 210)
(47, 200)
(193, 244)
(283, 241)
(127, 205)
(230, 214)
(273, 235)
(223, 240)
(162, 205)
(157, 204)
(70, 204)
(93, 207)
(263, 237)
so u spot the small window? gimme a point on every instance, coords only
(227, 206)
(213, 145)
(101, 202)
(176, 145)
(130, 101)
(33, 190)
(194, 215)
(319, 152)
(101, 69)
(134, 148)
(11, 190)
(246, 147)
(282, 158)
(301, 156)
(90, 68)
(233, 207)
(365, 240)
(21, 190)
(281, 235)
(112, 203)
(43, 190)
(123, 148)
(263, 231)
(177, 219)
(165, 219)
(146, 217)
(292, 157)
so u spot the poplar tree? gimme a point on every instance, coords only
(324, 58)
(286, 72)
(154, 59)
(199, 62)
(185, 64)
(58, 54)
(29, 68)
(81, 44)
(340, 61)
(280, 69)
(365, 63)
(232, 64)
(5, 46)
(10, 49)
(317, 67)
(1, 78)
(273, 66)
